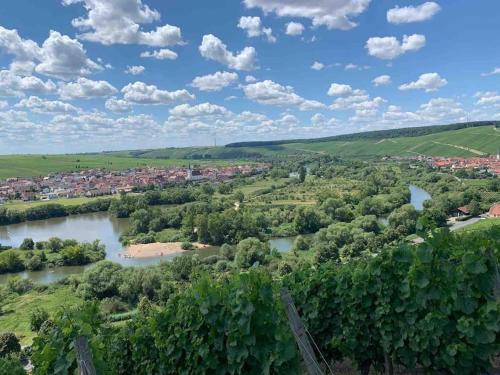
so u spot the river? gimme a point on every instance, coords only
(106, 228)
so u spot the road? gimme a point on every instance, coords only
(462, 224)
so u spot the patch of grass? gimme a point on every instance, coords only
(42, 165)
(482, 225)
(17, 309)
(21, 205)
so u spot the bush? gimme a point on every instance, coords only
(250, 252)
(37, 318)
(9, 344)
(27, 244)
(187, 246)
(19, 286)
(11, 366)
(34, 263)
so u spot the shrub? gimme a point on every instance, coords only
(187, 246)
(27, 244)
(9, 344)
(37, 318)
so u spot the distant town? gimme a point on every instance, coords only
(100, 182)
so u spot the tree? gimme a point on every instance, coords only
(34, 263)
(474, 208)
(27, 244)
(11, 366)
(37, 318)
(9, 344)
(250, 252)
(301, 243)
(101, 280)
(307, 220)
(302, 173)
(404, 218)
(54, 244)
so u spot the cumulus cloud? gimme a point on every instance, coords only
(39, 105)
(135, 70)
(382, 80)
(214, 82)
(411, 13)
(390, 47)
(203, 109)
(337, 89)
(14, 85)
(212, 48)
(141, 93)
(319, 121)
(85, 88)
(13, 44)
(317, 66)
(250, 79)
(334, 14)
(254, 28)
(294, 28)
(161, 54)
(119, 22)
(59, 56)
(271, 93)
(428, 82)
(65, 58)
(117, 105)
(487, 98)
(3, 104)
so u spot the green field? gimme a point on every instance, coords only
(483, 225)
(16, 310)
(479, 141)
(42, 165)
(21, 205)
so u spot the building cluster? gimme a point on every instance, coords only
(98, 182)
(482, 164)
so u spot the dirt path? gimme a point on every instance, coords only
(157, 249)
(474, 151)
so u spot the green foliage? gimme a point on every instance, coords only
(250, 252)
(429, 307)
(9, 344)
(11, 366)
(53, 350)
(27, 244)
(37, 318)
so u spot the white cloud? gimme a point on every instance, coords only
(162, 54)
(135, 70)
(140, 93)
(493, 72)
(203, 109)
(411, 13)
(39, 105)
(65, 58)
(317, 66)
(250, 79)
(212, 48)
(13, 44)
(119, 22)
(118, 105)
(271, 93)
(320, 121)
(487, 98)
(428, 82)
(3, 104)
(389, 48)
(334, 14)
(254, 28)
(14, 85)
(337, 89)
(352, 66)
(440, 109)
(382, 80)
(214, 82)
(85, 88)
(294, 28)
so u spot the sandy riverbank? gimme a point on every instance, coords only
(157, 249)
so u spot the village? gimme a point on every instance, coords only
(99, 182)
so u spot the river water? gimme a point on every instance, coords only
(106, 228)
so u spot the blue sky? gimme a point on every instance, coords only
(92, 75)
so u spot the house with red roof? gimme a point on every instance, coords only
(495, 210)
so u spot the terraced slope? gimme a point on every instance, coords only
(478, 141)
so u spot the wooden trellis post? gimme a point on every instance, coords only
(84, 357)
(300, 334)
